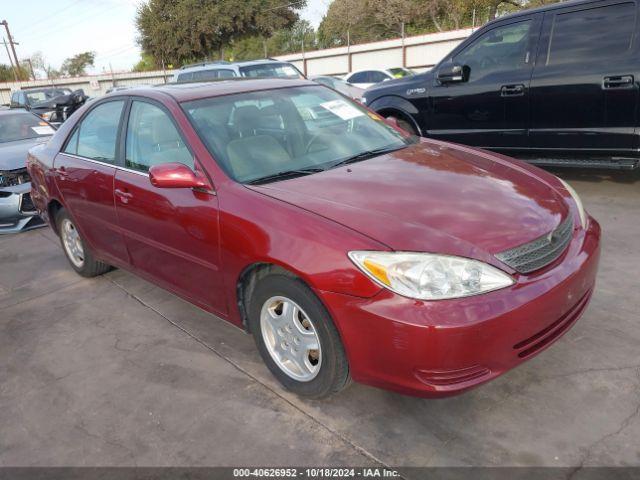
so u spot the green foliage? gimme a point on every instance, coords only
(181, 31)
(360, 21)
(6, 73)
(146, 64)
(76, 66)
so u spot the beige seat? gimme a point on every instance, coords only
(251, 157)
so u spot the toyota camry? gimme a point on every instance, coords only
(348, 248)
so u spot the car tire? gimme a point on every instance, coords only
(404, 124)
(279, 335)
(75, 248)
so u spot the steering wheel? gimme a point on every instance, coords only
(311, 141)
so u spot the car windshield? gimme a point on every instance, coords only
(271, 70)
(400, 72)
(20, 126)
(256, 136)
(38, 96)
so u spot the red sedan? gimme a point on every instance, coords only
(346, 247)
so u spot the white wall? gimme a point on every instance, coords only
(421, 52)
(94, 85)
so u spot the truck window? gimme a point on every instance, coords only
(588, 35)
(502, 49)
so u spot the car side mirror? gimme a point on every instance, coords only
(453, 73)
(176, 175)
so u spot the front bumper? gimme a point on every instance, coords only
(442, 348)
(17, 212)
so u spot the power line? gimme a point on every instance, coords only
(36, 23)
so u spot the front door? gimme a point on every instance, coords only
(490, 107)
(85, 172)
(584, 90)
(171, 234)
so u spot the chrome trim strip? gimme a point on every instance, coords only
(117, 167)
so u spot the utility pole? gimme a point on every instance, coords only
(11, 42)
(13, 68)
(33, 73)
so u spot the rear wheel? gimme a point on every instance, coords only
(75, 248)
(297, 338)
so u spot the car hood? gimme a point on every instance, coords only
(13, 155)
(433, 197)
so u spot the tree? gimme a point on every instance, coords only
(76, 66)
(146, 64)
(179, 31)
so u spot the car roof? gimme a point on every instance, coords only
(183, 92)
(545, 8)
(226, 65)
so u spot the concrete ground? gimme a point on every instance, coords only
(114, 371)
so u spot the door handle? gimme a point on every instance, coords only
(123, 195)
(620, 81)
(512, 90)
(62, 173)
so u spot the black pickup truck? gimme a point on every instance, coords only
(556, 85)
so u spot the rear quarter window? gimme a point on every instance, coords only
(591, 34)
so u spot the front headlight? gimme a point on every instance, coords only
(576, 198)
(427, 276)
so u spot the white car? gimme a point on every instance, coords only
(366, 78)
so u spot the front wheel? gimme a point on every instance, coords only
(75, 248)
(297, 338)
(403, 124)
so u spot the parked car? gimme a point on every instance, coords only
(347, 247)
(367, 78)
(340, 86)
(221, 70)
(52, 104)
(19, 131)
(557, 85)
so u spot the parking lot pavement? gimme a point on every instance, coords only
(115, 371)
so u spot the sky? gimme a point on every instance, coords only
(63, 28)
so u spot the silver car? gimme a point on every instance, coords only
(19, 131)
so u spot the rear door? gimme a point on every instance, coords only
(491, 108)
(85, 171)
(584, 90)
(171, 234)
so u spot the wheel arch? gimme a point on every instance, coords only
(393, 105)
(248, 279)
(53, 207)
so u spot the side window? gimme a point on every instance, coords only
(72, 144)
(185, 77)
(377, 77)
(205, 75)
(593, 34)
(152, 139)
(98, 131)
(503, 49)
(226, 73)
(360, 77)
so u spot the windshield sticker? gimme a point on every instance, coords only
(46, 130)
(342, 109)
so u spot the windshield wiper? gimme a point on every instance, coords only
(285, 174)
(366, 155)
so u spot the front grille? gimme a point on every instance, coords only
(540, 252)
(11, 178)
